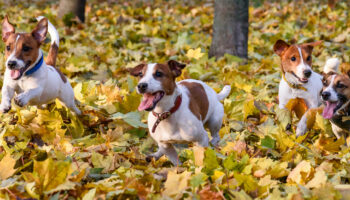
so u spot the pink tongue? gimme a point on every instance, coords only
(328, 111)
(146, 102)
(15, 74)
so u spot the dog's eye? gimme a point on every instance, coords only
(293, 59)
(340, 85)
(308, 58)
(8, 48)
(324, 82)
(159, 74)
(140, 75)
(26, 48)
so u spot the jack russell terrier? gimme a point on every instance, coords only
(298, 79)
(179, 109)
(35, 81)
(335, 97)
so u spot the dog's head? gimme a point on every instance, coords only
(296, 60)
(22, 49)
(155, 81)
(335, 93)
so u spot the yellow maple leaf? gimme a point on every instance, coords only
(298, 106)
(320, 179)
(194, 53)
(7, 167)
(176, 183)
(198, 155)
(300, 173)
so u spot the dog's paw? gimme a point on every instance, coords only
(5, 108)
(21, 100)
(215, 141)
(301, 129)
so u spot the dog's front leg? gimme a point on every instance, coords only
(156, 155)
(171, 153)
(7, 95)
(23, 98)
(308, 120)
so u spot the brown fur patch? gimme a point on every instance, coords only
(27, 48)
(51, 60)
(291, 66)
(51, 57)
(286, 52)
(139, 70)
(167, 78)
(63, 77)
(340, 80)
(344, 80)
(199, 103)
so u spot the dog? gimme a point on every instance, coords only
(35, 81)
(335, 96)
(298, 78)
(179, 110)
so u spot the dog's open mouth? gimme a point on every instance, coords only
(329, 109)
(302, 80)
(150, 100)
(16, 73)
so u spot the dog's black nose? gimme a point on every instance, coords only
(142, 87)
(307, 73)
(11, 64)
(325, 95)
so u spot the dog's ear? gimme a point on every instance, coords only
(40, 31)
(136, 71)
(345, 69)
(7, 29)
(311, 45)
(176, 67)
(280, 46)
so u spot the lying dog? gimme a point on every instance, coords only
(298, 79)
(179, 109)
(335, 97)
(35, 81)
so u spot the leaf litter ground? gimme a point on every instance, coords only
(51, 154)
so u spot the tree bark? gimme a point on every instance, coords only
(75, 7)
(230, 28)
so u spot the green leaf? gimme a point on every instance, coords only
(268, 142)
(132, 118)
(210, 161)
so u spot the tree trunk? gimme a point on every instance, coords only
(75, 7)
(230, 28)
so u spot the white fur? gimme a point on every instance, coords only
(183, 126)
(41, 87)
(153, 84)
(55, 38)
(331, 65)
(224, 92)
(330, 89)
(311, 96)
(12, 56)
(302, 66)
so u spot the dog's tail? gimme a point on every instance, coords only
(331, 65)
(55, 40)
(224, 92)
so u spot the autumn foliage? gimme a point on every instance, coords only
(52, 154)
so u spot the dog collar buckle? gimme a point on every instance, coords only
(164, 115)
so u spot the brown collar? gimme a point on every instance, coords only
(164, 115)
(292, 85)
